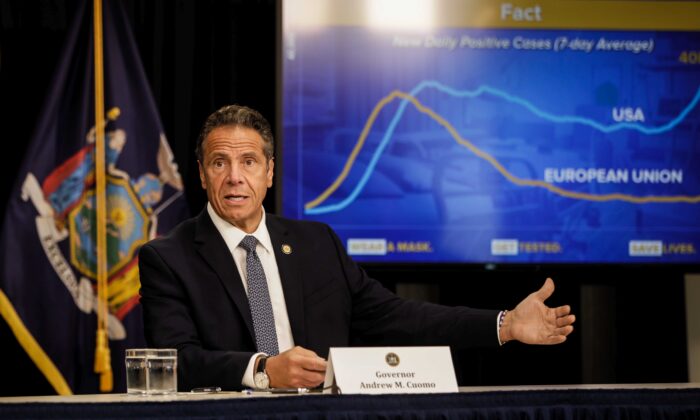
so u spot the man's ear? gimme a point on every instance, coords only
(202, 178)
(270, 171)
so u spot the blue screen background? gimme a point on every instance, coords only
(444, 184)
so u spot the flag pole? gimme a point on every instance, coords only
(103, 364)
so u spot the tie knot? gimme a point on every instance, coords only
(248, 243)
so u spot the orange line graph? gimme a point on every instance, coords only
(485, 156)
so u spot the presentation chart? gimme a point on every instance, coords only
(494, 144)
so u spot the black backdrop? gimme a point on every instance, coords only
(202, 54)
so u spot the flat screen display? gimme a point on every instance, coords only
(494, 132)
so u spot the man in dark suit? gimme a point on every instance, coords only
(307, 294)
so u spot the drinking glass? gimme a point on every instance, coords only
(151, 371)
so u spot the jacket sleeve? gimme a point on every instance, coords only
(380, 317)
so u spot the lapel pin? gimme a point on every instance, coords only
(287, 249)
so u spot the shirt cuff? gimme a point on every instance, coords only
(247, 380)
(499, 321)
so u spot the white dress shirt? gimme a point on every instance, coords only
(233, 237)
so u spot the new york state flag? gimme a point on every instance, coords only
(48, 292)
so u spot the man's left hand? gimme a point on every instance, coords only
(533, 322)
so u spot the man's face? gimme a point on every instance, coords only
(236, 175)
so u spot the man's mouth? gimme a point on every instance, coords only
(236, 198)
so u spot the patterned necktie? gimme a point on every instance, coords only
(259, 300)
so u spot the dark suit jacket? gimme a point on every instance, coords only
(193, 300)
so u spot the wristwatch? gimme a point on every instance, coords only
(261, 380)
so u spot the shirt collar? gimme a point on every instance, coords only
(233, 235)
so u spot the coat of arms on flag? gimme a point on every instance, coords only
(65, 205)
(98, 180)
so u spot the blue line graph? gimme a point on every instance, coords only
(482, 90)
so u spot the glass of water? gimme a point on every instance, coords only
(151, 371)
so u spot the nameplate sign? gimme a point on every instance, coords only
(389, 370)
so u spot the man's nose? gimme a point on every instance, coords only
(235, 174)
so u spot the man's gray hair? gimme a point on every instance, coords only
(237, 116)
